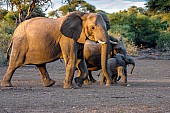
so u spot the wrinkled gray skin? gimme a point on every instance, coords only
(92, 45)
(117, 67)
(127, 60)
(92, 54)
(38, 41)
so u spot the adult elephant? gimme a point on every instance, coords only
(41, 40)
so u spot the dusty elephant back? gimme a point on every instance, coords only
(36, 38)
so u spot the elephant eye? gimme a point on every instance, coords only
(92, 27)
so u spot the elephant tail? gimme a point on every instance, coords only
(132, 69)
(8, 50)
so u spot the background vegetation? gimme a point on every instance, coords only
(147, 27)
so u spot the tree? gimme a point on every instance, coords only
(158, 6)
(25, 7)
(73, 5)
(3, 12)
(146, 30)
(6, 31)
(137, 26)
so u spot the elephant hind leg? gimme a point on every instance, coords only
(47, 81)
(6, 81)
(91, 77)
(82, 73)
(114, 77)
(16, 60)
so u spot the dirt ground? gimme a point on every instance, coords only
(149, 92)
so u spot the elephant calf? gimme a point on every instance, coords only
(117, 67)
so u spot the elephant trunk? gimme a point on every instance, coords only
(104, 58)
(103, 38)
(130, 60)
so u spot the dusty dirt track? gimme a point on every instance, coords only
(149, 91)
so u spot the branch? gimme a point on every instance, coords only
(30, 9)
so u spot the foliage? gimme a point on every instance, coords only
(158, 6)
(79, 5)
(138, 27)
(163, 43)
(6, 31)
(25, 8)
(3, 12)
(37, 12)
(130, 46)
(65, 9)
(146, 30)
(9, 17)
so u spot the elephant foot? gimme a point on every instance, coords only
(6, 84)
(93, 80)
(87, 82)
(49, 83)
(114, 83)
(102, 83)
(67, 86)
(108, 83)
(125, 84)
(78, 81)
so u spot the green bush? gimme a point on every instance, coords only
(10, 17)
(163, 43)
(6, 31)
(130, 46)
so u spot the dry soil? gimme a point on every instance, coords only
(149, 91)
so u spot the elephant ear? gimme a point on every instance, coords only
(120, 58)
(121, 44)
(113, 38)
(72, 27)
(106, 19)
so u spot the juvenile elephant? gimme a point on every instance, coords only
(41, 40)
(117, 67)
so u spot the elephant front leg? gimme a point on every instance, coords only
(70, 68)
(122, 73)
(69, 53)
(103, 79)
(47, 81)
